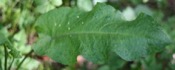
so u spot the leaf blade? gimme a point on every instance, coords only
(95, 34)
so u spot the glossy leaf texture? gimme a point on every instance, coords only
(65, 33)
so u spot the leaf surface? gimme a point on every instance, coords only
(2, 38)
(65, 33)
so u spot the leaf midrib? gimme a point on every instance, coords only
(97, 33)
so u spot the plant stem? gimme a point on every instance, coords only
(6, 57)
(9, 68)
(23, 59)
(75, 3)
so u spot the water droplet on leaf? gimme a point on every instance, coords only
(78, 17)
(59, 25)
(68, 28)
(55, 24)
(68, 23)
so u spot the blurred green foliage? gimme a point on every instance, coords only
(17, 18)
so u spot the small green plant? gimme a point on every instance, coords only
(10, 53)
(65, 33)
(9, 50)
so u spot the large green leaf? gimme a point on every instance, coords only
(66, 32)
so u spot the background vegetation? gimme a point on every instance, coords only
(17, 18)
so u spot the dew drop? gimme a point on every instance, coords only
(78, 17)
(68, 23)
(55, 24)
(59, 25)
(68, 28)
(82, 22)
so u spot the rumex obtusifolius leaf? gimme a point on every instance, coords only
(65, 33)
